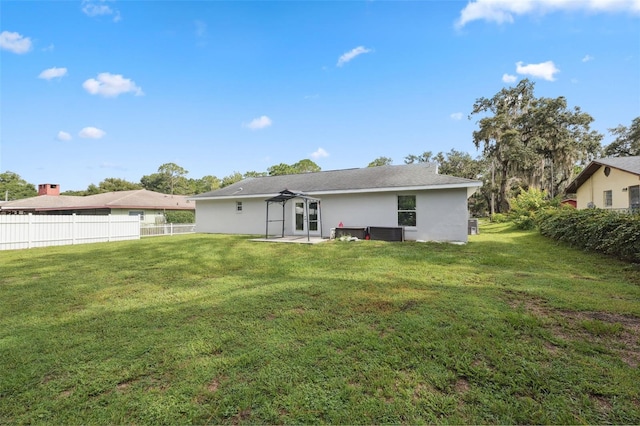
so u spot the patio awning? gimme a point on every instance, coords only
(282, 199)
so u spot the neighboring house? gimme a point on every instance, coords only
(608, 183)
(429, 206)
(149, 205)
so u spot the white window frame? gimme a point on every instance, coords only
(607, 198)
(139, 213)
(239, 207)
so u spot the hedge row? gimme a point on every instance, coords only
(602, 231)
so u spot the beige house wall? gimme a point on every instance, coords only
(618, 182)
(151, 216)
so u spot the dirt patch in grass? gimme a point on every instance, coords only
(602, 404)
(65, 394)
(213, 385)
(462, 386)
(242, 416)
(618, 332)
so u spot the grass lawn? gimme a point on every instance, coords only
(510, 328)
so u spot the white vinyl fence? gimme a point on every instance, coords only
(28, 231)
(167, 229)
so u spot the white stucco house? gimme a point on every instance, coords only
(427, 205)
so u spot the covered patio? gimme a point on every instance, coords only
(282, 199)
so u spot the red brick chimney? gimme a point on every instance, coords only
(48, 189)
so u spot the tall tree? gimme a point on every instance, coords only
(425, 157)
(305, 166)
(499, 134)
(627, 141)
(231, 179)
(155, 182)
(461, 164)
(253, 174)
(280, 169)
(561, 138)
(117, 184)
(170, 179)
(302, 166)
(174, 174)
(458, 163)
(380, 161)
(531, 142)
(13, 187)
(204, 184)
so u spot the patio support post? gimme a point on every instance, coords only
(320, 217)
(306, 210)
(266, 232)
(283, 203)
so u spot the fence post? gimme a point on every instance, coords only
(73, 228)
(29, 231)
(171, 229)
(109, 228)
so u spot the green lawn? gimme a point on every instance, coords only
(510, 328)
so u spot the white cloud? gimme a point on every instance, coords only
(587, 58)
(111, 85)
(348, 56)
(545, 70)
(501, 11)
(91, 133)
(456, 116)
(14, 42)
(63, 136)
(260, 123)
(51, 73)
(94, 8)
(319, 153)
(508, 78)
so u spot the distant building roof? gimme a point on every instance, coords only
(369, 179)
(628, 164)
(134, 199)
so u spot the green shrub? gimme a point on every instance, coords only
(527, 205)
(180, 217)
(499, 218)
(602, 231)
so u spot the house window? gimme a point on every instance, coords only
(608, 198)
(137, 213)
(238, 206)
(406, 210)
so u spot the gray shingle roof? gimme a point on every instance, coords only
(419, 175)
(628, 164)
(134, 199)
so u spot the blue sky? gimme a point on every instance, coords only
(97, 89)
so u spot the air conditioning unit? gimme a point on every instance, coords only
(472, 227)
(386, 233)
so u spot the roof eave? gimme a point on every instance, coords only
(471, 184)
